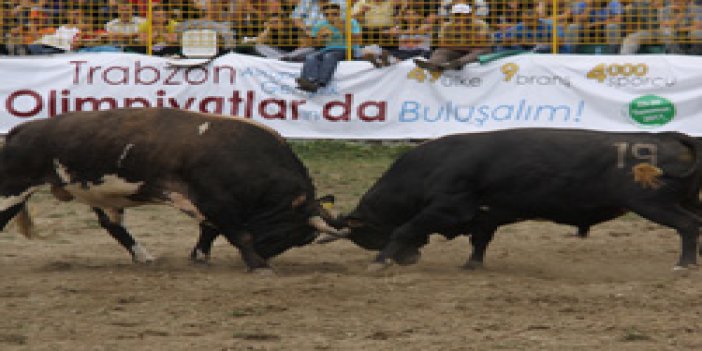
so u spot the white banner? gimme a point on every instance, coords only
(614, 93)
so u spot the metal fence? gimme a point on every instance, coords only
(279, 27)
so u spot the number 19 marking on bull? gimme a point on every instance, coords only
(639, 151)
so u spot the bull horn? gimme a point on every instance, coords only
(321, 225)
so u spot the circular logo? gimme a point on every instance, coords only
(651, 110)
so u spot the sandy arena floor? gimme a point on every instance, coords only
(76, 289)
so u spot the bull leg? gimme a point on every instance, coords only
(686, 224)
(696, 208)
(444, 214)
(201, 251)
(244, 242)
(583, 231)
(111, 220)
(482, 229)
(480, 239)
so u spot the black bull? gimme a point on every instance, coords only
(473, 183)
(235, 177)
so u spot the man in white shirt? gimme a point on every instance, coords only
(124, 30)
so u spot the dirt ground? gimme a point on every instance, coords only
(76, 289)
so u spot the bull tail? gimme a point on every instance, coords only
(19, 212)
(696, 155)
(24, 222)
(15, 208)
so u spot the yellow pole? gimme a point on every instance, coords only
(347, 29)
(149, 28)
(554, 28)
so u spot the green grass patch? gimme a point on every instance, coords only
(347, 169)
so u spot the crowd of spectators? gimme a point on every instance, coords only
(389, 29)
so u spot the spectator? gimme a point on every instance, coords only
(561, 13)
(55, 10)
(97, 11)
(142, 6)
(431, 9)
(93, 38)
(414, 38)
(308, 13)
(681, 21)
(33, 36)
(242, 16)
(596, 21)
(7, 22)
(507, 14)
(376, 17)
(23, 8)
(183, 10)
(640, 19)
(480, 8)
(438, 12)
(164, 37)
(258, 12)
(214, 18)
(62, 38)
(282, 39)
(319, 67)
(461, 41)
(531, 33)
(67, 33)
(123, 31)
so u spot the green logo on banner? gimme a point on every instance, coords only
(651, 110)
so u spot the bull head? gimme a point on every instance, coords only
(327, 215)
(317, 222)
(368, 236)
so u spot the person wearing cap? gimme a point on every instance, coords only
(37, 27)
(461, 41)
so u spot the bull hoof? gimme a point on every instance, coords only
(144, 260)
(684, 268)
(473, 265)
(199, 257)
(408, 258)
(575, 235)
(140, 255)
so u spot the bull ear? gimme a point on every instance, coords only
(355, 223)
(298, 201)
